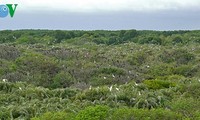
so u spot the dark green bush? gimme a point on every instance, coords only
(150, 40)
(177, 40)
(62, 80)
(112, 70)
(99, 81)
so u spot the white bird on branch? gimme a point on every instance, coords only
(4, 80)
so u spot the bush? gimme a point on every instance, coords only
(138, 58)
(158, 84)
(144, 114)
(188, 107)
(64, 93)
(9, 52)
(39, 69)
(112, 70)
(94, 94)
(4, 115)
(93, 113)
(177, 40)
(191, 90)
(34, 62)
(62, 80)
(161, 69)
(27, 40)
(185, 70)
(55, 116)
(180, 56)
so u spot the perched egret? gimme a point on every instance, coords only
(110, 88)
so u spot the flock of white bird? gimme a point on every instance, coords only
(111, 88)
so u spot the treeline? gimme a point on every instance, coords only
(101, 37)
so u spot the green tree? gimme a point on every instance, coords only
(59, 36)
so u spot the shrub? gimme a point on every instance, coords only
(39, 69)
(191, 90)
(177, 40)
(138, 58)
(4, 114)
(158, 84)
(112, 70)
(144, 114)
(34, 62)
(55, 116)
(62, 79)
(94, 94)
(27, 40)
(188, 107)
(9, 52)
(64, 93)
(161, 69)
(93, 113)
(180, 56)
(185, 70)
(101, 79)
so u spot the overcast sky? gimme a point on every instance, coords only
(104, 14)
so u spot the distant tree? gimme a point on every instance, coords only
(121, 33)
(113, 40)
(59, 36)
(177, 40)
(130, 34)
(150, 40)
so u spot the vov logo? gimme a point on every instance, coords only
(7, 9)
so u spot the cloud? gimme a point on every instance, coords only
(168, 20)
(105, 5)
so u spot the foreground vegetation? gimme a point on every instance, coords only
(97, 75)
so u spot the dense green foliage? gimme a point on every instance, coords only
(99, 75)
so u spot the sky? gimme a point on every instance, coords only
(103, 15)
